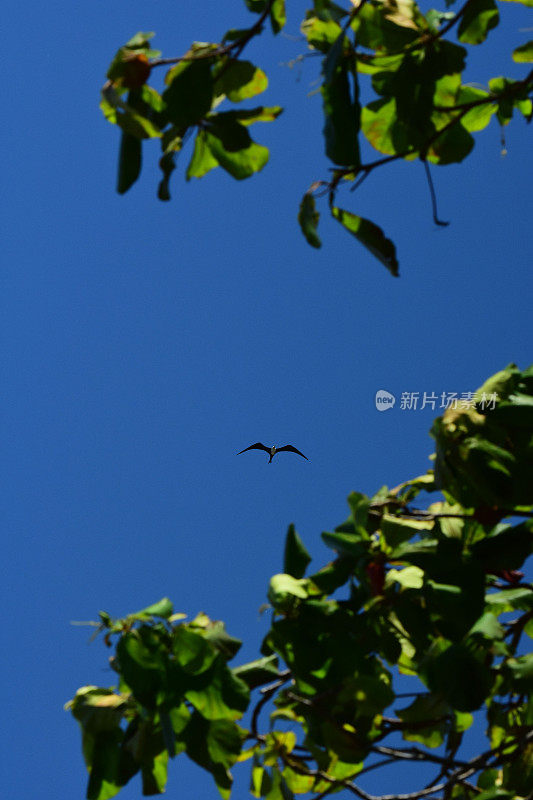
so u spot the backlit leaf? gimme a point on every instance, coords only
(308, 218)
(524, 53)
(240, 80)
(371, 236)
(202, 160)
(278, 16)
(479, 17)
(231, 145)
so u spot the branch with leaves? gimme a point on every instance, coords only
(422, 109)
(408, 593)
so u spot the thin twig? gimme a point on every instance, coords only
(433, 196)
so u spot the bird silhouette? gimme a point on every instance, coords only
(273, 450)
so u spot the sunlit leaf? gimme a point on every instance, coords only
(218, 693)
(320, 34)
(479, 17)
(247, 116)
(163, 608)
(240, 80)
(231, 145)
(278, 16)
(480, 115)
(383, 129)
(524, 53)
(371, 236)
(375, 31)
(284, 587)
(202, 160)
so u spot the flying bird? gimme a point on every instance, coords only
(273, 450)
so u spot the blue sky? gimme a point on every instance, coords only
(145, 343)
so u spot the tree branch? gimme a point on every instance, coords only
(235, 47)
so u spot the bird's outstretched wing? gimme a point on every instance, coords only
(256, 446)
(291, 449)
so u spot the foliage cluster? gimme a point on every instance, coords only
(420, 108)
(433, 593)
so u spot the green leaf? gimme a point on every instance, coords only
(240, 80)
(488, 627)
(284, 588)
(215, 746)
(278, 16)
(296, 557)
(334, 574)
(349, 544)
(154, 774)
(521, 669)
(260, 114)
(256, 673)
(511, 600)
(320, 34)
(528, 3)
(202, 160)
(408, 577)
(256, 5)
(142, 659)
(451, 146)
(459, 673)
(395, 531)
(163, 608)
(129, 162)
(333, 58)
(432, 710)
(505, 549)
(140, 40)
(374, 31)
(479, 17)
(524, 53)
(478, 117)
(104, 780)
(218, 693)
(359, 504)
(308, 218)
(215, 632)
(192, 651)
(137, 45)
(500, 87)
(234, 34)
(371, 236)
(189, 95)
(342, 121)
(231, 145)
(383, 129)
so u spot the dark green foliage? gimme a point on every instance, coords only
(414, 591)
(419, 108)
